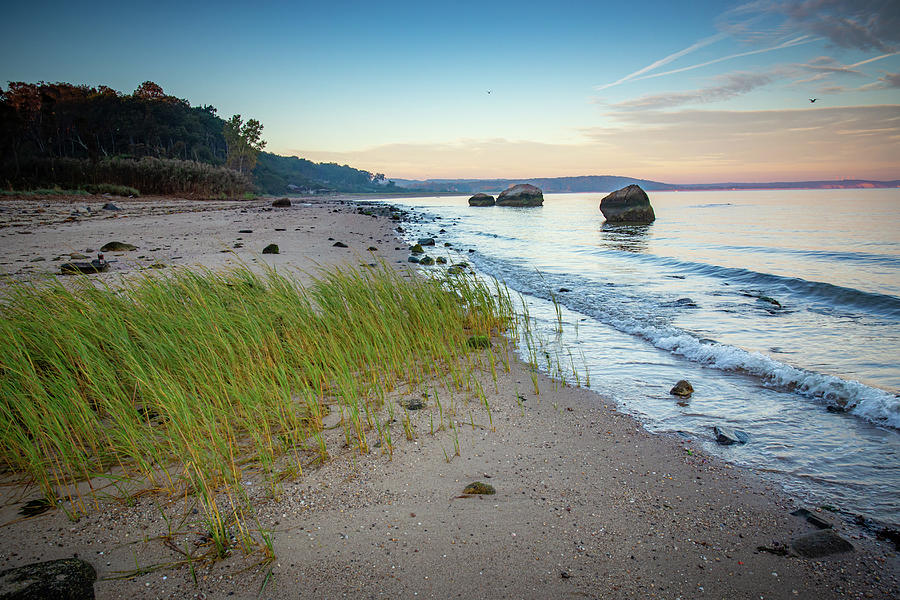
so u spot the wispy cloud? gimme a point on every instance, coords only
(887, 81)
(665, 60)
(728, 86)
(860, 24)
(787, 44)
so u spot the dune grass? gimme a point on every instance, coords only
(191, 379)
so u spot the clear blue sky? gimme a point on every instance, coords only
(575, 87)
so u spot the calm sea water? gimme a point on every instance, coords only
(781, 307)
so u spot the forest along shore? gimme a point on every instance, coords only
(586, 502)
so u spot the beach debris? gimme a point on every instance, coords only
(889, 534)
(68, 578)
(628, 205)
(479, 341)
(417, 249)
(413, 404)
(36, 507)
(282, 203)
(817, 544)
(812, 518)
(271, 249)
(117, 247)
(110, 206)
(522, 194)
(339, 245)
(98, 265)
(481, 199)
(777, 548)
(727, 436)
(479, 488)
(427, 241)
(682, 388)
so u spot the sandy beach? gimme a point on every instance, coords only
(587, 504)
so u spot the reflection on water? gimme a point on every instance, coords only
(626, 237)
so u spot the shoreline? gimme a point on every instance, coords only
(587, 503)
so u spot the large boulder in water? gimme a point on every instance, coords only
(481, 199)
(628, 205)
(523, 194)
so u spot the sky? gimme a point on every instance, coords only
(681, 92)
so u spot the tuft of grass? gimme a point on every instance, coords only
(197, 379)
(111, 188)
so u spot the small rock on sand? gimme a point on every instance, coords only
(117, 247)
(69, 578)
(271, 249)
(817, 544)
(478, 487)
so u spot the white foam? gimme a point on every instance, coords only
(878, 406)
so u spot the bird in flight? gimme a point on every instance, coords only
(489, 91)
(813, 99)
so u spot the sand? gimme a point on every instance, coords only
(587, 505)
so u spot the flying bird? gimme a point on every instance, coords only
(489, 91)
(813, 99)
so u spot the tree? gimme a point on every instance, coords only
(244, 143)
(149, 91)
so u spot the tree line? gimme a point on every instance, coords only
(54, 134)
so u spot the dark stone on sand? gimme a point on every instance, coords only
(282, 203)
(440, 260)
(727, 436)
(479, 341)
(413, 404)
(85, 268)
(426, 260)
(110, 206)
(683, 388)
(271, 249)
(77, 256)
(339, 245)
(417, 249)
(426, 241)
(481, 199)
(66, 579)
(478, 487)
(812, 518)
(117, 247)
(564, 290)
(245, 231)
(817, 544)
(372, 249)
(413, 258)
(523, 194)
(627, 205)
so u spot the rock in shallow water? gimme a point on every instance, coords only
(523, 194)
(628, 205)
(727, 436)
(480, 199)
(683, 388)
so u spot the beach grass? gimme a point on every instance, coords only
(190, 380)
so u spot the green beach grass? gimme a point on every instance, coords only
(189, 380)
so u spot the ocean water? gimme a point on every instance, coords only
(782, 308)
